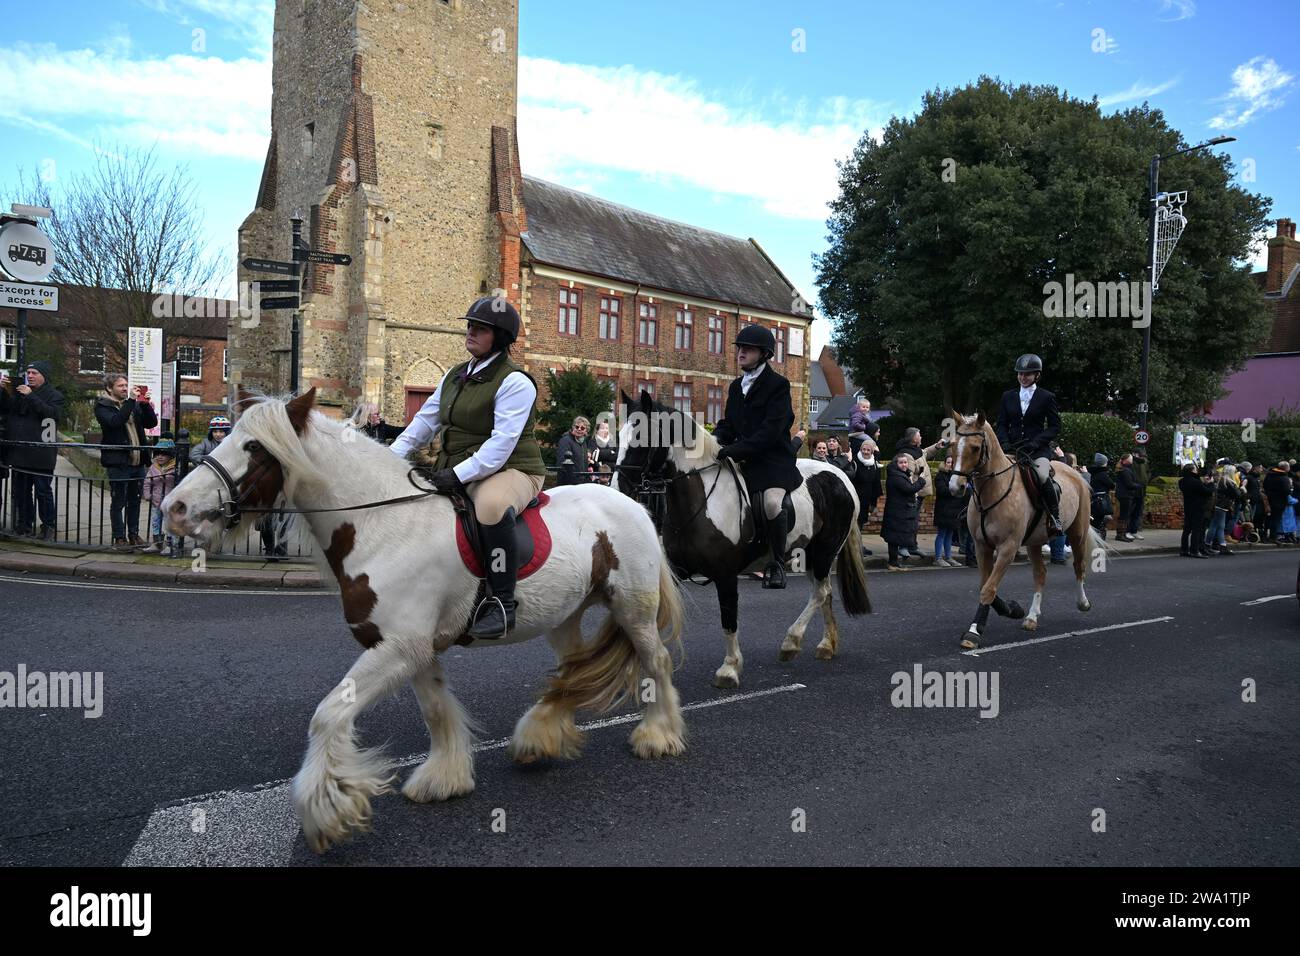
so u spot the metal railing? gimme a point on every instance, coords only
(83, 506)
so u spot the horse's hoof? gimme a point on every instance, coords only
(1015, 611)
(968, 643)
(825, 654)
(787, 655)
(1084, 606)
(1031, 624)
(726, 680)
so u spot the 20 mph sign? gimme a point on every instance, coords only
(1140, 437)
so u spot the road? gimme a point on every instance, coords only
(208, 695)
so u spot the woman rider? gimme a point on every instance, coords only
(755, 431)
(483, 410)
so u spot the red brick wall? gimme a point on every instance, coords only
(544, 338)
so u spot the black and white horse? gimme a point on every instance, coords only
(708, 523)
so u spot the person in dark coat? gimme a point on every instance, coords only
(32, 408)
(902, 508)
(124, 421)
(1127, 488)
(369, 422)
(1102, 485)
(575, 454)
(1197, 491)
(1276, 486)
(1028, 422)
(836, 456)
(947, 509)
(755, 431)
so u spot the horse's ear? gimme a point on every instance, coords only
(627, 399)
(979, 420)
(243, 398)
(957, 417)
(647, 403)
(299, 408)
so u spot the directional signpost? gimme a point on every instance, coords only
(278, 285)
(283, 302)
(271, 265)
(320, 257)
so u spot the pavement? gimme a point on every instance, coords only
(25, 555)
(1156, 729)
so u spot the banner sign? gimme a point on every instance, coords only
(167, 394)
(144, 367)
(1191, 445)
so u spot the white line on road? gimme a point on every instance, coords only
(289, 592)
(1265, 600)
(1057, 637)
(258, 827)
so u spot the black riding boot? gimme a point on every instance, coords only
(496, 614)
(774, 573)
(1053, 505)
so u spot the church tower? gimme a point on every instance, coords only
(393, 137)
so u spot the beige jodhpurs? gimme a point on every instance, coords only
(1040, 468)
(772, 498)
(506, 489)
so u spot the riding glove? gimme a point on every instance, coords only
(447, 481)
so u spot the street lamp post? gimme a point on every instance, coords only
(1153, 177)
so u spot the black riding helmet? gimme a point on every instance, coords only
(757, 337)
(1029, 363)
(497, 312)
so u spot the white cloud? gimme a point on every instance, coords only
(1186, 9)
(1137, 91)
(194, 103)
(1257, 87)
(250, 21)
(578, 120)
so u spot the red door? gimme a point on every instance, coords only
(415, 399)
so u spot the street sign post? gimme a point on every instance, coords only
(279, 285)
(271, 265)
(1141, 436)
(282, 302)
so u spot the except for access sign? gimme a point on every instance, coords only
(29, 295)
(1140, 437)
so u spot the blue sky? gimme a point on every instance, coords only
(734, 127)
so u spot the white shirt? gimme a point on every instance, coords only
(1027, 396)
(514, 401)
(747, 379)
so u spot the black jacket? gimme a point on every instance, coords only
(841, 461)
(25, 416)
(1102, 485)
(383, 433)
(902, 510)
(579, 452)
(1126, 483)
(755, 430)
(1033, 432)
(1253, 494)
(1196, 494)
(947, 506)
(112, 421)
(1276, 486)
(1227, 494)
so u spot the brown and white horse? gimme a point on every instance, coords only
(407, 597)
(999, 515)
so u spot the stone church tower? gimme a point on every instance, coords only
(393, 137)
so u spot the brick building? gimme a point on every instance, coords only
(87, 316)
(394, 138)
(1271, 378)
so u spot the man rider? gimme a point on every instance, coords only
(483, 410)
(1028, 422)
(755, 431)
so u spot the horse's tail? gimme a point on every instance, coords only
(672, 618)
(604, 673)
(852, 575)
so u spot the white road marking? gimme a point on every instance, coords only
(286, 592)
(1265, 600)
(1056, 637)
(258, 827)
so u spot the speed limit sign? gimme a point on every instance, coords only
(1141, 437)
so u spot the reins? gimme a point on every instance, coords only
(975, 473)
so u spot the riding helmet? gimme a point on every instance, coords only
(1029, 363)
(496, 311)
(756, 337)
(219, 422)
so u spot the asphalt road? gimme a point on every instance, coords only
(208, 695)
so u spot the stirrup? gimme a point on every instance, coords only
(479, 612)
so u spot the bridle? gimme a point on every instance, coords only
(978, 472)
(231, 509)
(653, 486)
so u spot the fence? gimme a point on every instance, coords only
(83, 506)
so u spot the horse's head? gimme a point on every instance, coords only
(244, 471)
(657, 443)
(975, 445)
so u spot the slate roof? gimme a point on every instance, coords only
(578, 231)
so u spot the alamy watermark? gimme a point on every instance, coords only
(921, 688)
(1100, 300)
(38, 690)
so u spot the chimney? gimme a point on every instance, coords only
(1283, 255)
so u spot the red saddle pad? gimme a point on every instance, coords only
(536, 527)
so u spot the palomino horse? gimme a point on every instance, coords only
(999, 518)
(709, 524)
(407, 597)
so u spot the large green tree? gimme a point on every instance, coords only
(947, 231)
(574, 391)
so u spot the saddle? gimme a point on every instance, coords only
(532, 537)
(760, 517)
(1030, 478)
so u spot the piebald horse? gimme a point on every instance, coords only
(407, 597)
(709, 524)
(999, 515)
